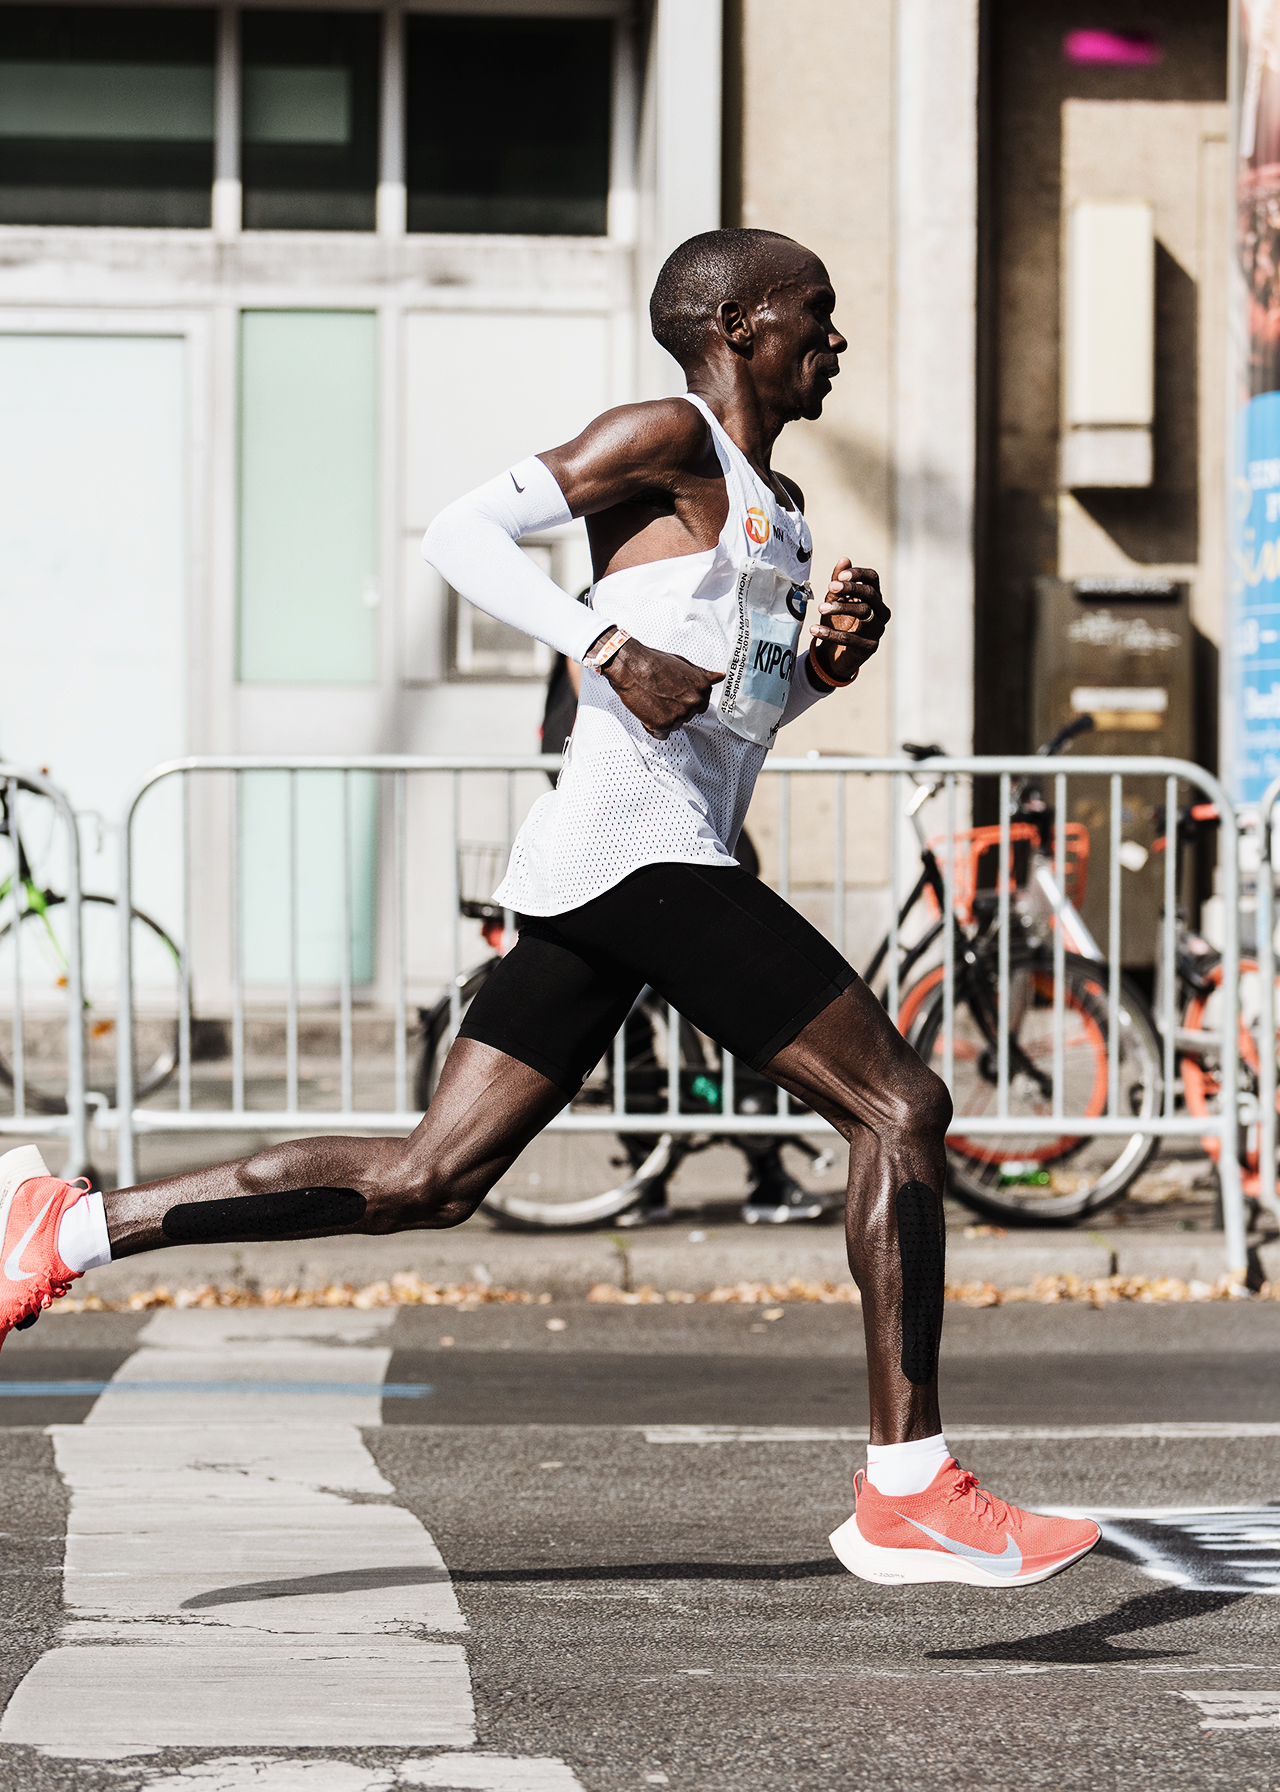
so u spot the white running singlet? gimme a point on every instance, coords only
(623, 799)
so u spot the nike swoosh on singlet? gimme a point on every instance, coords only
(516, 483)
(1006, 1564)
(13, 1262)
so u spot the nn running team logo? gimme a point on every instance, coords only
(756, 524)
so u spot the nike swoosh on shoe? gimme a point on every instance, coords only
(803, 557)
(13, 1262)
(516, 483)
(1006, 1564)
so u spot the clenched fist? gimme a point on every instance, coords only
(662, 690)
(852, 619)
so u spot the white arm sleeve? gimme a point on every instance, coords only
(802, 696)
(472, 544)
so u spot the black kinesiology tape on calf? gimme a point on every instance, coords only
(920, 1253)
(241, 1216)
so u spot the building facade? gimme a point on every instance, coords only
(278, 282)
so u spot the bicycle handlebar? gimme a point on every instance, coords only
(1081, 725)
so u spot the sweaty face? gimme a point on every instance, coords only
(797, 347)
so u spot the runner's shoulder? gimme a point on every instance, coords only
(663, 432)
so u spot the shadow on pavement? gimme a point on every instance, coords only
(1081, 1644)
(346, 1580)
(359, 1580)
(661, 1571)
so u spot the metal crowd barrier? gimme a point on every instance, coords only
(782, 782)
(29, 981)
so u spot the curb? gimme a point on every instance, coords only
(567, 1267)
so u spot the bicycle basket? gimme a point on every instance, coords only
(968, 872)
(481, 864)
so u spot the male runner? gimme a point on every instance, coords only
(625, 875)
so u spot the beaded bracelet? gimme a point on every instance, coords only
(604, 651)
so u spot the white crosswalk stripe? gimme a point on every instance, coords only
(238, 1575)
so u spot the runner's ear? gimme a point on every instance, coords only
(734, 323)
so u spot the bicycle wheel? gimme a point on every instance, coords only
(41, 940)
(648, 1159)
(1201, 1065)
(1061, 1177)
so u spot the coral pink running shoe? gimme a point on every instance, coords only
(32, 1203)
(955, 1530)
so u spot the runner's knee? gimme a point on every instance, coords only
(913, 1108)
(418, 1192)
(931, 1106)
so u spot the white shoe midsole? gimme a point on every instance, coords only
(904, 1567)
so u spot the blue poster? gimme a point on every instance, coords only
(1255, 597)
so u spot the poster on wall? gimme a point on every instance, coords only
(1251, 757)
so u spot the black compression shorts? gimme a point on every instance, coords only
(723, 948)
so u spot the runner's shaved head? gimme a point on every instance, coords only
(701, 274)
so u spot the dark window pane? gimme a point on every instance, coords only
(106, 115)
(309, 119)
(508, 124)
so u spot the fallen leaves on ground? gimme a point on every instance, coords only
(409, 1290)
(1104, 1290)
(403, 1290)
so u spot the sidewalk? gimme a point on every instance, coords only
(692, 1259)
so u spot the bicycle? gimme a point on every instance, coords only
(33, 944)
(1057, 1179)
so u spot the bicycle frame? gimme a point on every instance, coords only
(74, 1124)
(38, 901)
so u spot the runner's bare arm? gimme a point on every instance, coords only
(648, 480)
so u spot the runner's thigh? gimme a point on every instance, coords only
(553, 1005)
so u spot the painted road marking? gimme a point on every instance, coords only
(1236, 1710)
(1215, 1549)
(184, 1535)
(1174, 1431)
(379, 1390)
(458, 1773)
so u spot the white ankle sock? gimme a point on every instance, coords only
(898, 1469)
(82, 1234)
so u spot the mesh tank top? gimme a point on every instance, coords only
(625, 800)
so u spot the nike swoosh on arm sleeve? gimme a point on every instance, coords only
(472, 544)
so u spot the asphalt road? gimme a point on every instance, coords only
(633, 1523)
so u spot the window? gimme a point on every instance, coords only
(106, 115)
(308, 497)
(508, 124)
(483, 647)
(309, 119)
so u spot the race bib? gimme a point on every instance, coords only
(755, 689)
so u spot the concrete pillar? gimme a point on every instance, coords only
(934, 336)
(391, 196)
(679, 155)
(226, 148)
